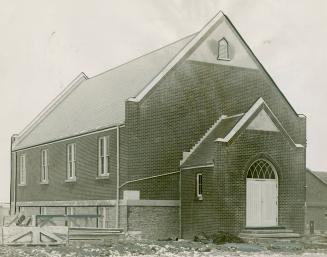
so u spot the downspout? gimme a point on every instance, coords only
(180, 203)
(118, 179)
(11, 174)
(13, 177)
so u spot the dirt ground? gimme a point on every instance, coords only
(165, 249)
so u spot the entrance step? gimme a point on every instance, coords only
(275, 233)
(95, 234)
(270, 235)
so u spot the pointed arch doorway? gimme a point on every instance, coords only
(261, 195)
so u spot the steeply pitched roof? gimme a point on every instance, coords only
(194, 42)
(98, 102)
(259, 105)
(225, 130)
(203, 153)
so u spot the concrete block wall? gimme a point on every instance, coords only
(56, 211)
(155, 222)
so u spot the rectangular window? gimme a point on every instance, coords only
(22, 170)
(71, 161)
(44, 166)
(199, 186)
(103, 162)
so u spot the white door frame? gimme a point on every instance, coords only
(257, 178)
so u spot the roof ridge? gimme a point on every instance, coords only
(144, 55)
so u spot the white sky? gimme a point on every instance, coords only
(45, 44)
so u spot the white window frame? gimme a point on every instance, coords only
(103, 156)
(199, 186)
(22, 170)
(71, 162)
(227, 49)
(44, 166)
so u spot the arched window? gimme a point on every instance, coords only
(261, 169)
(223, 50)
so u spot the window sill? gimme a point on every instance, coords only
(44, 183)
(21, 185)
(223, 59)
(199, 198)
(70, 180)
(103, 176)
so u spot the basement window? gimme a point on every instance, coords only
(223, 50)
(103, 161)
(199, 188)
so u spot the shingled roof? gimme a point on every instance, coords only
(93, 103)
(204, 153)
(99, 102)
(321, 175)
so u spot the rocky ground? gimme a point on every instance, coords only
(167, 249)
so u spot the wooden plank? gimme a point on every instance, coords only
(35, 235)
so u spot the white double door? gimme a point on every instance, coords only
(261, 202)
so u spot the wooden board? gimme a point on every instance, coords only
(51, 235)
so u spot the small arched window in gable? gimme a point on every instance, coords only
(223, 50)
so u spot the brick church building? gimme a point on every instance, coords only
(193, 137)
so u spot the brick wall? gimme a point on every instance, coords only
(154, 222)
(232, 163)
(316, 194)
(173, 117)
(87, 187)
(159, 188)
(199, 215)
(224, 187)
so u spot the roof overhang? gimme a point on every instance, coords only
(248, 117)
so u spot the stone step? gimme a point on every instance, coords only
(95, 230)
(269, 235)
(95, 233)
(266, 231)
(95, 237)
